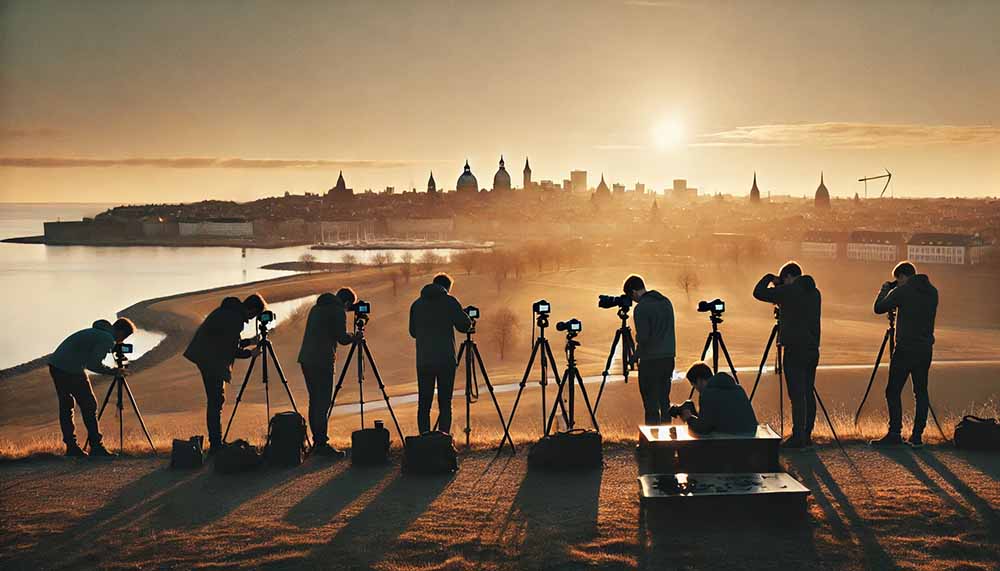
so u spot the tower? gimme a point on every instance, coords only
(754, 191)
(822, 194)
(527, 174)
(431, 185)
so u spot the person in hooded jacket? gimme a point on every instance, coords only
(915, 300)
(800, 305)
(326, 326)
(434, 317)
(215, 346)
(723, 405)
(68, 365)
(655, 349)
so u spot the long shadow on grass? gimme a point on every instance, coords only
(330, 498)
(983, 508)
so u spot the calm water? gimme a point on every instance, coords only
(51, 291)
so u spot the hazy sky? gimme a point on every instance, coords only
(162, 101)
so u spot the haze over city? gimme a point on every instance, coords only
(141, 102)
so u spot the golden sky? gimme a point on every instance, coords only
(175, 101)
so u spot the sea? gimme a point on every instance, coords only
(52, 291)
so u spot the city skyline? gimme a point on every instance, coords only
(176, 102)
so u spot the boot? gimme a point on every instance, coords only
(889, 440)
(328, 451)
(97, 450)
(916, 441)
(73, 450)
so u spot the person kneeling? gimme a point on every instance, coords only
(723, 405)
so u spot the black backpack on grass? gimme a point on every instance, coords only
(974, 433)
(286, 439)
(370, 446)
(576, 449)
(236, 457)
(430, 453)
(187, 454)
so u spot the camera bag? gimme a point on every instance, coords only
(237, 456)
(187, 454)
(286, 439)
(974, 433)
(430, 453)
(575, 449)
(370, 446)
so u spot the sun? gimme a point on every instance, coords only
(668, 133)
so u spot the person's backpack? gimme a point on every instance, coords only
(286, 439)
(430, 453)
(237, 456)
(370, 445)
(974, 433)
(575, 449)
(187, 454)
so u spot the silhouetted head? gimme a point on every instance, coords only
(904, 271)
(634, 287)
(698, 375)
(443, 280)
(254, 305)
(123, 328)
(789, 272)
(347, 296)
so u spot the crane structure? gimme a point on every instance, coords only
(887, 176)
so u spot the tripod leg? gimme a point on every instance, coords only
(121, 418)
(520, 391)
(779, 366)
(607, 365)
(586, 400)
(871, 380)
(340, 380)
(135, 407)
(729, 360)
(936, 423)
(558, 401)
(555, 373)
(107, 397)
(763, 360)
(496, 404)
(629, 354)
(381, 386)
(468, 392)
(239, 395)
(288, 390)
(828, 421)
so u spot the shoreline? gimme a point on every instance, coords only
(163, 243)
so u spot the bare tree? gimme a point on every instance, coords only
(499, 264)
(468, 260)
(407, 266)
(687, 280)
(395, 277)
(380, 259)
(504, 326)
(308, 260)
(390, 258)
(349, 261)
(535, 253)
(428, 260)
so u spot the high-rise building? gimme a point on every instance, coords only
(578, 181)
(681, 191)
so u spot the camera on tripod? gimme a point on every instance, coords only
(119, 351)
(266, 317)
(677, 409)
(361, 307)
(472, 311)
(541, 306)
(608, 301)
(716, 306)
(571, 326)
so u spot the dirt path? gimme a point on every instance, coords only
(933, 509)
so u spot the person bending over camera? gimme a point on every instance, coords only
(655, 348)
(325, 327)
(800, 304)
(915, 300)
(723, 406)
(214, 347)
(434, 317)
(68, 365)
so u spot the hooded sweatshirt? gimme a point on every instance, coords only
(216, 343)
(916, 304)
(654, 327)
(800, 303)
(325, 327)
(434, 317)
(723, 407)
(85, 349)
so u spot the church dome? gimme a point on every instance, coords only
(822, 194)
(501, 180)
(467, 182)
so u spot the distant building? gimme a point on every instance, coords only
(340, 191)
(754, 191)
(467, 183)
(353, 230)
(822, 195)
(216, 227)
(431, 185)
(618, 188)
(822, 245)
(578, 181)
(501, 180)
(425, 228)
(869, 246)
(602, 191)
(940, 248)
(527, 174)
(640, 188)
(682, 192)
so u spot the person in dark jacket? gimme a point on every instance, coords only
(915, 300)
(215, 346)
(723, 405)
(434, 317)
(656, 348)
(800, 305)
(326, 326)
(68, 365)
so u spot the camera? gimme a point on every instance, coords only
(715, 306)
(266, 317)
(572, 325)
(677, 409)
(541, 306)
(472, 311)
(608, 301)
(361, 307)
(122, 348)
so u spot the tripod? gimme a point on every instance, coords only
(539, 347)
(121, 385)
(474, 364)
(359, 349)
(624, 336)
(890, 339)
(714, 340)
(571, 375)
(264, 351)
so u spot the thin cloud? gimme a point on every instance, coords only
(850, 135)
(618, 147)
(20, 133)
(200, 163)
